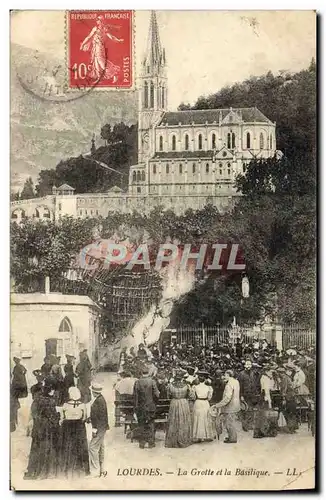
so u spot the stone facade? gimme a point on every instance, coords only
(186, 159)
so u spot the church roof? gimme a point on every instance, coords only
(65, 187)
(201, 116)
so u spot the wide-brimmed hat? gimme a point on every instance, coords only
(70, 356)
(37, 373)
(15, 358)
(96, 388)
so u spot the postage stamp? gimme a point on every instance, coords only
(100, 49)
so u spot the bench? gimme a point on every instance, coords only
(124, 412)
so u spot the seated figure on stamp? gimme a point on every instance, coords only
(101, 67)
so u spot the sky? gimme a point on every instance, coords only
(205, 50)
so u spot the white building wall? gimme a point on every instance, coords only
(37, 317)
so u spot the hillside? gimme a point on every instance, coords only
(43, 131)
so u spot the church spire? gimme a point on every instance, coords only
(155, 56)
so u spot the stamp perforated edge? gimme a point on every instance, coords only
(132, 88)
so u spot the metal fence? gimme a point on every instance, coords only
(298, 336)
(207, 335)
(276, 334)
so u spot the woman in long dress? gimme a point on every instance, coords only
(203, 429)
(102, 68)
(43, 456)
(179, 422)
(74, 458)
(84, 374)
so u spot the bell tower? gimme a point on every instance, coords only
(152, 91)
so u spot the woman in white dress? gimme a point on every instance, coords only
(203, 429)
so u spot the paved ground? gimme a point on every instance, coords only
(209, 466)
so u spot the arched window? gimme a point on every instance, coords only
(271, 141)
(229, 168)
(143, 175)
(261, 141)
(233, 140)
(154, 169)
(146, 95)
(174, 143)
(180, 168)
(163, 97)
(186, 142)
(161, 143)
(65, 326)
(207, 168)
(138, 176)
(248, 140)
(159, 95)
(134, 176)
(152, 96)
(194, 168)
(46, 213)
(200, 141)
(229, 141)
(37, 213)
(213, 141)
(167, 168)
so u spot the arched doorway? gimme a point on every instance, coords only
(63, 343)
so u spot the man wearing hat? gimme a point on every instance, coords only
(249, 393)
(18, 381)
(146, 395)
(99, 420)
(230, 405)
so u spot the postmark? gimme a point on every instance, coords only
(100, 49)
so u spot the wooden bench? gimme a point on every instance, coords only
(124, 412)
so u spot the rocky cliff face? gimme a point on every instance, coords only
(47, 123)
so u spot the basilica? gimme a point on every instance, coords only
(186, 159)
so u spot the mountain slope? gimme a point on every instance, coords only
(45, 131)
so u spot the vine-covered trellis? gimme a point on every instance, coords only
(124, 296)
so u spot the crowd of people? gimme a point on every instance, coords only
(62, 404)
(207, 389)
(211, 387)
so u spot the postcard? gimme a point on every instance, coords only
(163, 250)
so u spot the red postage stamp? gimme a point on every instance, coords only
(100, 49)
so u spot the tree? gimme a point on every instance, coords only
(85, 174)
(106, 133)
(28, 190)
(14, 196)
(184, 106)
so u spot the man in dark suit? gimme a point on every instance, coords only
(99, 421)
(146, 395)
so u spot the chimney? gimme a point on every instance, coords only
(47, 285)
